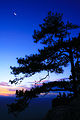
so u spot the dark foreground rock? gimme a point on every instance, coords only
(65, 112)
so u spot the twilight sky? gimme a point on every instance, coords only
(18, 19)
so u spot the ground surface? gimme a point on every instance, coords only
(65, 112)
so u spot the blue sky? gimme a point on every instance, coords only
(16, 31)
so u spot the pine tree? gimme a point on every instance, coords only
(59, 49)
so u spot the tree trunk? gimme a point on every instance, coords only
(73, 71)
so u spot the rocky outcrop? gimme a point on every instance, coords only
(65, 112)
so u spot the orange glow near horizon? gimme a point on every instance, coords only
(6, 92)
(9, 90)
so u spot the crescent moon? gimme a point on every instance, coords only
(14, 13)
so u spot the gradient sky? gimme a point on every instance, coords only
(16, 30)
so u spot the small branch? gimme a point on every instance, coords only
(16, 80)
(42, 78)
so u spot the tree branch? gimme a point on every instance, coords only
(42, 78)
